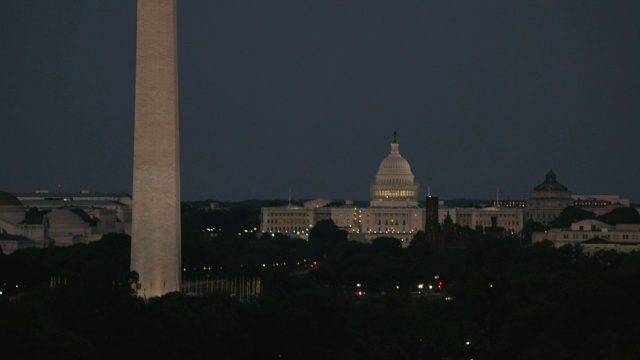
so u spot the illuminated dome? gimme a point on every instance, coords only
(11, 209)
(394, 185)
(394, 169)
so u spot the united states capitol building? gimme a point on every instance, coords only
(394, 209)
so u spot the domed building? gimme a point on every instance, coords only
(394, 210)
(551, 188)
(65, 227)
(15, 233)
(547, 200)
(11, 209)
(54, 219)
(394, 185)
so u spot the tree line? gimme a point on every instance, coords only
(498, 300)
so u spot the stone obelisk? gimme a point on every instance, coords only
(155, 234)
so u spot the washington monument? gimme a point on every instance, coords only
(155, 234)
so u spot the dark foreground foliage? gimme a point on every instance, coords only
(506, 302)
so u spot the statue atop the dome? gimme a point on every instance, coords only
(394, 137)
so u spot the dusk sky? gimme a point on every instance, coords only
(307, 94)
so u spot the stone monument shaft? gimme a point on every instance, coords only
(155, 244)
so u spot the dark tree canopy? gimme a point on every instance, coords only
(571, 214)
(324, 236)
(499, 300)
(622, 215)
(326, 231)
(388, 245)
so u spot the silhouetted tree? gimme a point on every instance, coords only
(622, 215)
(419, 245)
(387, 245)
(571, 214)
(324, 236)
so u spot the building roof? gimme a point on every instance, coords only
(319, 202)
(65, 218)
(18, 238)
(7, 199)
(599, 240)
(550, 183)
(599, 224)
(596, 240)
(70, 195)
(11, 209)
(41, 203)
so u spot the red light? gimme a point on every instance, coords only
(440, 285)
(315, 263)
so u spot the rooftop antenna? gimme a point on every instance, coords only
(289, 196)
(497, 196)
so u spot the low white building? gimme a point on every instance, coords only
(112, 210)
(294, 221)
(57, 221)
(509, 218)
(11, 243)
(594, 235)
(599, 204)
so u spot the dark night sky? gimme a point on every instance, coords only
(307, 94)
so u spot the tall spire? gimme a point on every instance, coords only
(155, 229)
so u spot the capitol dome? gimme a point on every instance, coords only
(11, 209)
(394, 185)
(394, 169)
